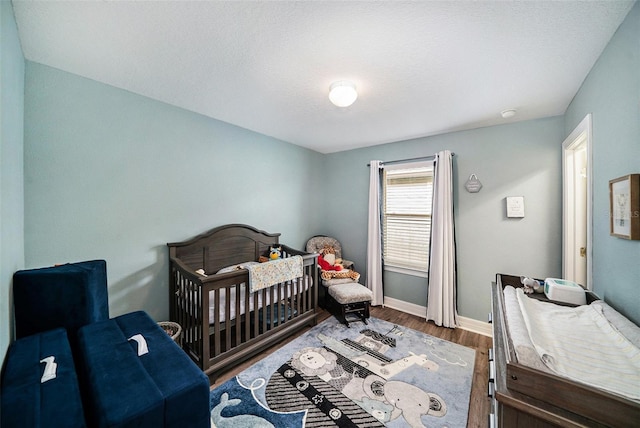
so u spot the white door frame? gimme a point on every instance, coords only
(580, 137)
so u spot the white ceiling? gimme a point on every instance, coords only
(421, 68)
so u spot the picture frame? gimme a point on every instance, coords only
(624, 207)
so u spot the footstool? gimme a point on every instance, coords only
(70, 296)
(39, 383)
(352, 298)
(137, 376)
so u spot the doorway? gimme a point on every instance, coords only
(576, 205)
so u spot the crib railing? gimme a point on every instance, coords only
(239, 323)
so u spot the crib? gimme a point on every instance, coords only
(223, 323)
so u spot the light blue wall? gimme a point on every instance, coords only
(519, 159)
(11, 166)
(109, 174)
(611, 92)
(113, 175)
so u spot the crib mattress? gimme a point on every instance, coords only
(243, 290)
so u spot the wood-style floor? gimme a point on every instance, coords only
(479, 403)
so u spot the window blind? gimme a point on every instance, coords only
(408, 194)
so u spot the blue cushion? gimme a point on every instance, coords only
(117, 390)
(161, 387)
(29, 399)
(69, 296)
(184, 387)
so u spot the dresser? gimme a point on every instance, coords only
(521, 396)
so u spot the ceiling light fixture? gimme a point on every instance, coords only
(507, 114)
(343, 93)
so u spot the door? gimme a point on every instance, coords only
(576, 228)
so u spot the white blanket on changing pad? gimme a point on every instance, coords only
(581, 344)
(266, 274)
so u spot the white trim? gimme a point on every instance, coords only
(475, 326)
(582, 133)
(406, 307)
(469, 324)
(406, 271)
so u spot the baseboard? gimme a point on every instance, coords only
(475, 326)
(464, 323)
(409, 308)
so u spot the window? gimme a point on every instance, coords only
(408, 191)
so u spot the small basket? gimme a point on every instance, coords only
(173, 329)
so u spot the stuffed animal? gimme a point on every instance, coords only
(328, 255)
(275, 253)
(531, 285)
(326, 265)
(332, 267)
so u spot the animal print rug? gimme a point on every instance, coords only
(375, 375)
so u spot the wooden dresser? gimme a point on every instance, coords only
(522, 396)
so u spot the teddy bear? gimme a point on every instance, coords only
(332, 267)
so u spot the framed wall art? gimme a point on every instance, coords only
(624, 206)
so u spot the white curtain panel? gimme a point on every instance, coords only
(374, 236)
(441, 303)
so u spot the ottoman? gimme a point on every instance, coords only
(135, 375)
(69, 296)
(352, 298)
(39, 383)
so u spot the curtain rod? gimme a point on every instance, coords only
(432, 157)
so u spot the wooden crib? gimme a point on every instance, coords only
(222, 322)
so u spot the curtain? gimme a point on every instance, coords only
(374, 236)
(441, 295)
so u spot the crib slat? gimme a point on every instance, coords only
(246, 296)
(256, 320)
(204, 338)
(238, 320)
(216, 323)
(227, 318)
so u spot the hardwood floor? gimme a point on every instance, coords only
(479, 402)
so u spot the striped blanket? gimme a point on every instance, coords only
(579, 343)
(264, 275)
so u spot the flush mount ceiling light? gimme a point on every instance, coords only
(342, 93)
(506, 114)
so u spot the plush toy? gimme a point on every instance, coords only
(326, 265)
(275, 253)
(328, 255)
(531, 285)
(332, 266)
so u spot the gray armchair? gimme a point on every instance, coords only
(341, 293)
(319, 242)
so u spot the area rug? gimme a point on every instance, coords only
(375, 375)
